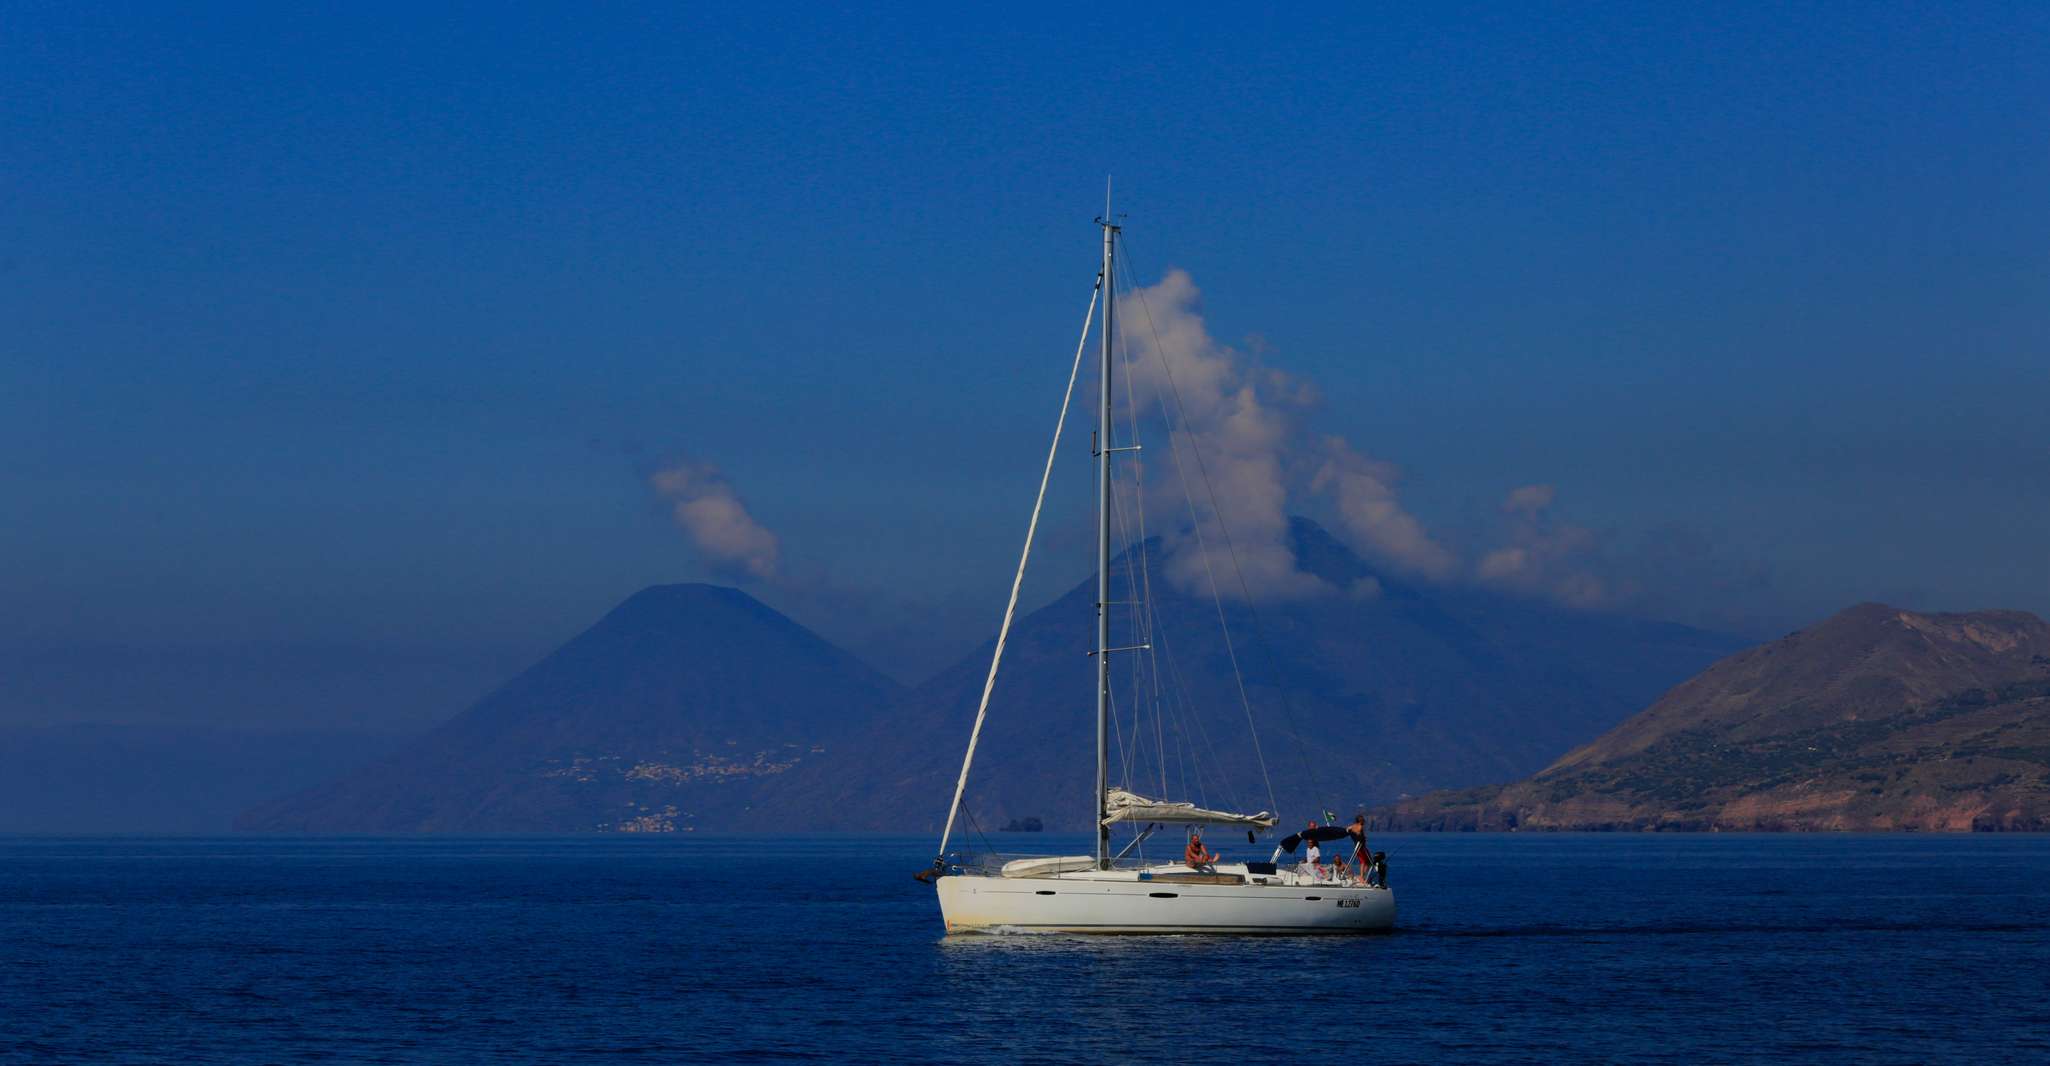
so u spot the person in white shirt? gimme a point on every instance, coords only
(1311, 855)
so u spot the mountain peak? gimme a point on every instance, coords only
(1325, 557)
(1316, 553)
(1878, 639)
(712, 612)
(697, 694)
(689, 594)
(683, 589)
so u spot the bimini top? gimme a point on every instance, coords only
(1122, 806)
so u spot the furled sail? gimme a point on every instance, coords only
(1122, 806)
(1047, 867)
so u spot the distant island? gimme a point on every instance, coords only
(1876, 719)
(680, 710)
(693, 707)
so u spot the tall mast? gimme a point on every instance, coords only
(1103, 453)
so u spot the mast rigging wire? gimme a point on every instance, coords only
(1225, 789)
(1230, 548)
(1148, 617)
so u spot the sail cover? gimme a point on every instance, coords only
(1122, 806)
(1049, 866)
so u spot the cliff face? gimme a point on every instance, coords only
(1878, 718)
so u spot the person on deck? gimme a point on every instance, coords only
(1358, 832)
(1197, 856)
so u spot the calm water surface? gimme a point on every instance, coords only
(1510, 949)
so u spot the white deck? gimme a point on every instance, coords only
(1153, 899)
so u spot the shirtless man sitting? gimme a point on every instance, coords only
(1197, 856)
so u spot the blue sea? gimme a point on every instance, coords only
(1514, 948)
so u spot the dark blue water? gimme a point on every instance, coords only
(1510, 949)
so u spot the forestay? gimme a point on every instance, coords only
(1122, 806)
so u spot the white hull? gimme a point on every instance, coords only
(1117, 901)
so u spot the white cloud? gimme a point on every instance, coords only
(1530, 499)
(711, 514)
(1364, 491)
(1234, 425)
(1502, 564)
(1545, 556)
(1243, 420)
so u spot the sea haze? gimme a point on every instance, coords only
(695, 707)
(1510, 948)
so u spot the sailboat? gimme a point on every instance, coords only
(1107, 892)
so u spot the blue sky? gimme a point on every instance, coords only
(365, 327)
